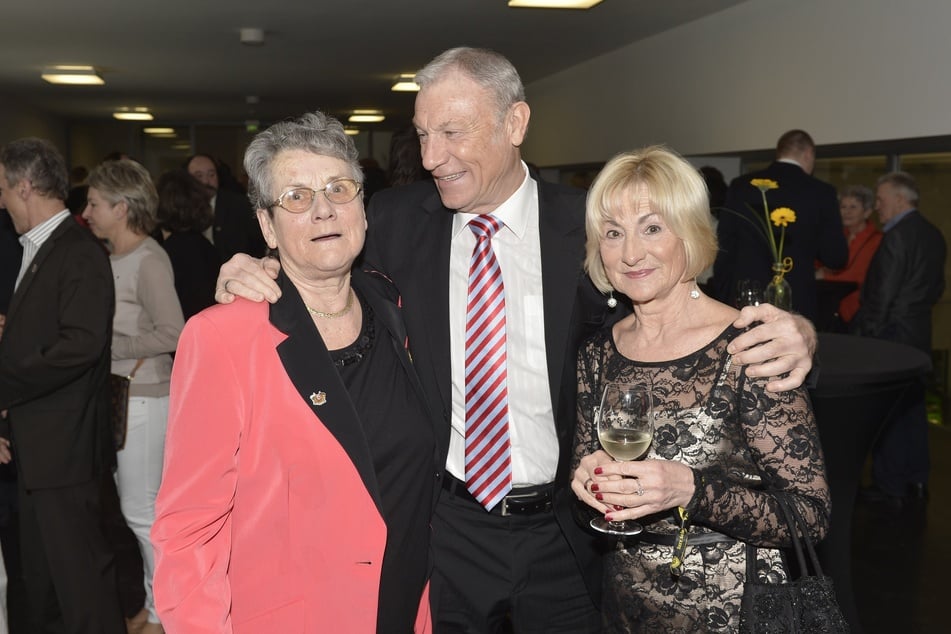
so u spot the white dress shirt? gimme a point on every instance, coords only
(531, 422)
(33, 239)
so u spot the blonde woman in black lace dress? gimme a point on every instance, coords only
(722, 443)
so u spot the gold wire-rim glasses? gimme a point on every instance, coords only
(339, 191)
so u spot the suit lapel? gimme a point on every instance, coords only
(559, 229)
(388, 313)
(435, 287)
(36, 264)
(311, 370)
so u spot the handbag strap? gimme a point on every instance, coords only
(793, 527)
(138, 364)
(798, 533)
(803, 532)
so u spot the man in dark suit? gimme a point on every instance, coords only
(815, 235)
(904, 281)
(54, 369)
(524, 558)
(235, 229)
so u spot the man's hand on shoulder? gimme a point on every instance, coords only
(781, 346)
(251, 278)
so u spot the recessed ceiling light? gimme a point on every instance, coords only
(351, 131)
(405, 83)
(139, 113)
(366, 116)
(159, 130)
(73, 75)
(554, 4)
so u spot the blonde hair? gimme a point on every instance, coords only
(126, 180)
(676, 192)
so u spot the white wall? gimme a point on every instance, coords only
(845, 70)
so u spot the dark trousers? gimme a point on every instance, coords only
(900, 458)
(68, 567)
(491, 571)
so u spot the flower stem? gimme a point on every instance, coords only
(769, 227)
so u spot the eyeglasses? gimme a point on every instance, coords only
(300, 199)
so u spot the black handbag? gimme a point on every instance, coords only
(119, 412)
(807, 604)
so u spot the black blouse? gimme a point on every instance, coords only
(401, 442)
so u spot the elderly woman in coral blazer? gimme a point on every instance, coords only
(299, 466)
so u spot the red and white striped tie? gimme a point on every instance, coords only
(488, 450)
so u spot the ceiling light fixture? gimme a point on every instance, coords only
(159, 130)
(351, 131)
(554, 4)
(252, 36)
(406, 83)
(139, 113)
(73, 75)
(366, 116)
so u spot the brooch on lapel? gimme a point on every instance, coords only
(318, 398)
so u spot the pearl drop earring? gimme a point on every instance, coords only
(695, 294)
(611, 301)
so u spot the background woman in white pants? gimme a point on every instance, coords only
(121, 209)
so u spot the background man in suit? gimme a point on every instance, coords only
(904, 281)
(524, 558)
(54, 369)
(815, 235)
(235, 229)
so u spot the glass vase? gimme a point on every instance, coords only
(778, 292)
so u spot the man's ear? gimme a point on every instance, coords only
(517, 122)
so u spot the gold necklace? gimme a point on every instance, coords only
(339, 313)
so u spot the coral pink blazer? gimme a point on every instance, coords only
(268, 518)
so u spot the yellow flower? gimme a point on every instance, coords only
(764, 184)
(782, 216)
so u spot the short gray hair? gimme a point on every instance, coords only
(861, 193)
(485, 67)
(38, 161)
(129, 182)
(904, 183)
(313, 132)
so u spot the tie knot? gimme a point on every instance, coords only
(485, 226)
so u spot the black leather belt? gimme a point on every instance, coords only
(522, 501)
(700, 539)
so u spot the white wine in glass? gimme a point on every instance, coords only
(625, 429)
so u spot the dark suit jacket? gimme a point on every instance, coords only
(409, 237)
(236, 228)
(10, 255)
(54, 362)
(195, 263)
(816, 234)
(904, 281)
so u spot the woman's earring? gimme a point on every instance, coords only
(611, 301)
(695, 293)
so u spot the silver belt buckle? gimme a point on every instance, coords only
(505, 501)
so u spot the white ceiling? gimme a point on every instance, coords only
(183, 58)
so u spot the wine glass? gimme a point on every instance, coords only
(625, 429)
(749, 293)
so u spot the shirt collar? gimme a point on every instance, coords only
(791, 162)
(894, 221)
(38, 234)
(513, 212)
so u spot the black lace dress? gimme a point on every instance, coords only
(744, 441)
